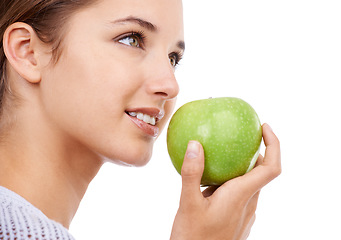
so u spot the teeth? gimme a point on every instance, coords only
(143, 117)
(133, 114)
(146, 118)
(152, 121)
(140, 116)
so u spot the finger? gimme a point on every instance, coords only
(270, 166)
(249, 227)
(250, 216)
(273, 152)
(259, 160)
(191, 172)
(246, 228)
(252, 205)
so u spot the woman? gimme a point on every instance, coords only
(85, 82)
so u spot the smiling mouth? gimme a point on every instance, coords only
(146, 119)
(143, 117)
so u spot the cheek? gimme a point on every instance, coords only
(72, 98)
(83, 102)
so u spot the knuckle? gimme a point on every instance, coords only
(275, 171)
(191, 170)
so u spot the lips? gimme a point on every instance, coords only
(146, 119)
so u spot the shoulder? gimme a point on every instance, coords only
(21, 220)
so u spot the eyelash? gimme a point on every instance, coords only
(141, 42)
(178, 56)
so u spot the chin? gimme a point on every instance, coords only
(131, 158)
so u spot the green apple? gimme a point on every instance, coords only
(229, 131)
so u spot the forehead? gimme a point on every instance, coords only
(166, 15)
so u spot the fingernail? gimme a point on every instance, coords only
(267, 125)
(192, 149)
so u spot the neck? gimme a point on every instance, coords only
(47, 170)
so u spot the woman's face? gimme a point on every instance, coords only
(113, 88)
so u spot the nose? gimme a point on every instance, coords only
(161, 80)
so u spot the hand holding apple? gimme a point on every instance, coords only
(229, 130)
(228, 211)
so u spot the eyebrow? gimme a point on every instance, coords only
(145, 24)
(181, 45)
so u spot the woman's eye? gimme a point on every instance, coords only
(133, 39)
(130, 41)
(175, 58)
(173, 61)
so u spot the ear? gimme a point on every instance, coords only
(21, 49)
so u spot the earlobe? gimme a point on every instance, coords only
(20, 45)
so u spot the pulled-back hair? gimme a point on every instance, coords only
(46, 17)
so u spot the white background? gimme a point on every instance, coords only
(284, 58)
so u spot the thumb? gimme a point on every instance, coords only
(191, 171)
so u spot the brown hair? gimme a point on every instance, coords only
(46, 17)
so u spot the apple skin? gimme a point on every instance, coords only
(228, 129)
